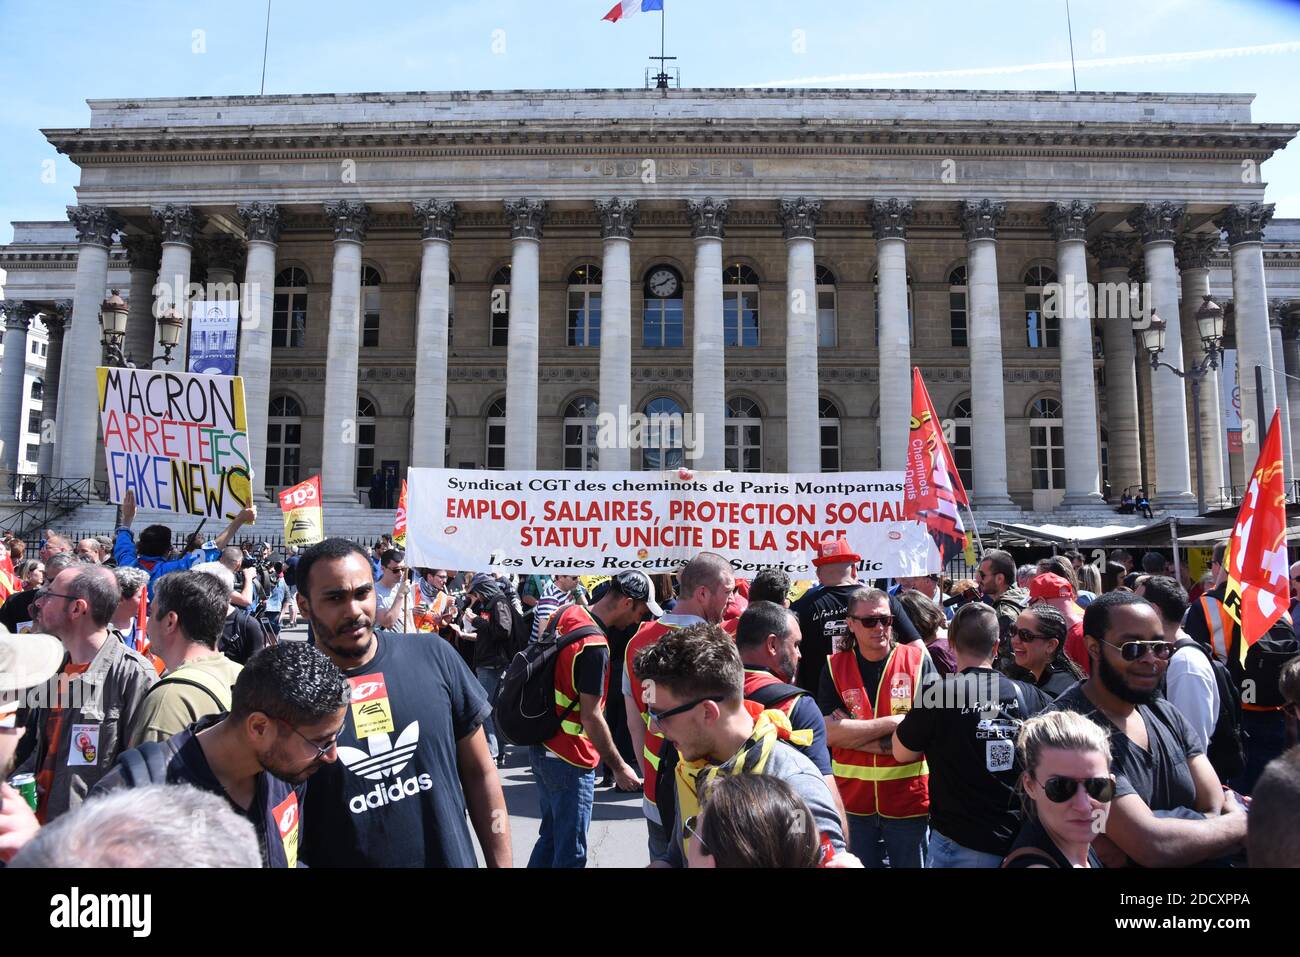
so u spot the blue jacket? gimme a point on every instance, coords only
(125, 555)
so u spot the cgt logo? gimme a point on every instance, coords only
(366, 690)
(288, 819)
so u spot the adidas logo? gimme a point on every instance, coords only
(385, 759)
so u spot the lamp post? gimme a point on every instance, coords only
(1209, 325)
(112, 322)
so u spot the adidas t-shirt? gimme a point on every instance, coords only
(393, 798)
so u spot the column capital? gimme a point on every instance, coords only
(1157, 222)
(262, 222)
(18, 313)
(56, 319)
(1193, 250)
(1137, 270)
(177, 223)
(1112, 250)
(94, 224)
(224, 251)
(980, 218)
(708, 217)
(1245, 223)
(1069, 220)
(526, 217)
(437, 218)
(1277, 312)
(350, 220)
(618, 217)
(799, 218)
(889, 217)
(143, 251)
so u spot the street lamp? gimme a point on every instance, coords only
(1209, 326)
(112, 322)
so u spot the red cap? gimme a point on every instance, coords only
(835, 552)
(1050, 586)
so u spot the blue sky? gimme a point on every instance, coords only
(56, 54)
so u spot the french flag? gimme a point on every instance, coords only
(627, 8)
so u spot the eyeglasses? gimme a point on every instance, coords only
(396, 568)
(691, 827)
(321, 752)
(1060, 789)
(1134, 650)
(873, 621)
(1024, 634)
(46, 593)
(659, 717)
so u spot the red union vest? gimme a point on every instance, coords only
(761, 679)
(571, 742)
(876, 783)
(645, 636)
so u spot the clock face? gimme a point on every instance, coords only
(663, 283)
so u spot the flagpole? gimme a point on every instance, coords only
(975, 530)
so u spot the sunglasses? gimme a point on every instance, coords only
(1024, 634)
(873, 621)
(691, 827)
(658, 717)
(1133, 650)
(1060, 789)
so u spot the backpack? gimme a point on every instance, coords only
(170, 680)
(146, 764)
(1226, 749)
(1264, 662)
(524, 707)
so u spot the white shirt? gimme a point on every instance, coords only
(1191, 688)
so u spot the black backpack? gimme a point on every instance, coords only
(524, 707)
(1226, 750)
(1264, 662)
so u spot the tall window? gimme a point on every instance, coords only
(826, 309)
(38, 389)
(283, 442)
(34, 421)
(580, 453)
(663, 447)
(828, 421)
(1104, 453)
(661, 322)
(744, 436)
(739, 306)
(584, 306)
(499, 306)
(495, 441)
(451, 309)
(365, 441)
(961, 445)
(289, 314)
(957, 306)
(370, 283)
(1042, 332)
(1046, 445)
(911, 331)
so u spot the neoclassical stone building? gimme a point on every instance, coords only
(468, 278)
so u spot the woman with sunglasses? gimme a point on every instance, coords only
(1067, 789)
(1038, 643)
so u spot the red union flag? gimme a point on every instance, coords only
(932, 488)
(303, 519)
(399, 523)
(1258, 589)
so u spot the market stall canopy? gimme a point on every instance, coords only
(1157, 534)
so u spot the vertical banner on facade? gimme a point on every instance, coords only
(1230, 399)
(178, 440)
(214, 331)
(399, 523)
(304, 519)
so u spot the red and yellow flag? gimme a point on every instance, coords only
(9, 582)
(399, 523)
(304, 520)
(1258, 591)
(932, 488)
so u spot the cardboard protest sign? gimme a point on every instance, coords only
(179, 440)
(304, 522)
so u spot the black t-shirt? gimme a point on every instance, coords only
(1055, 681)
(969, 741)
(493, 631)
(16, 612)
(1160, 775)
(291, 570)
(393, 798)
(1033, 834)
(589, 669)
(822, 613)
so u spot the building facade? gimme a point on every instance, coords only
(468, 279)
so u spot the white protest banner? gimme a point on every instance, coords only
(178, 440)
(605, 522)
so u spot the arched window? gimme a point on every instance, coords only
(500, 306)
(826, 309)
(661, 316)
(584, 306)
(875, 288)
(957, 306)
(960, 444)
(739, 306)
(283, 442)
(744, 436)
(365, 441)
(495, 455)
(828, 420)
(289, 313)
(1042, 332)
(370, 293)
(663, 446)
(580, 453)
(1046, 452)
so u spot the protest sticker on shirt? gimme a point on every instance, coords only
(84, 749)
(371, 711)
(286, 819)
(900, 694)
(999, 755)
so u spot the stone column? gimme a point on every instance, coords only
(1280, 389)
(526, 218)
(889, 219)
(1291, 363)
(1068, 223)
(437, 219)
(1157, 224)
(1114, 308)
(78, 421)
(709, 389)
(618, 219)
(13, 379)
(262, 232)
(1244, 225)
(145, 256)
(339, 441)
(224, 255)
(1193, 252)
(802, 430)
(56, 320)
(979, 220)
(177, 226)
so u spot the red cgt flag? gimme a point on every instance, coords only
(1258, 591)
(932, 488)
(399, 522)
(9, 582)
